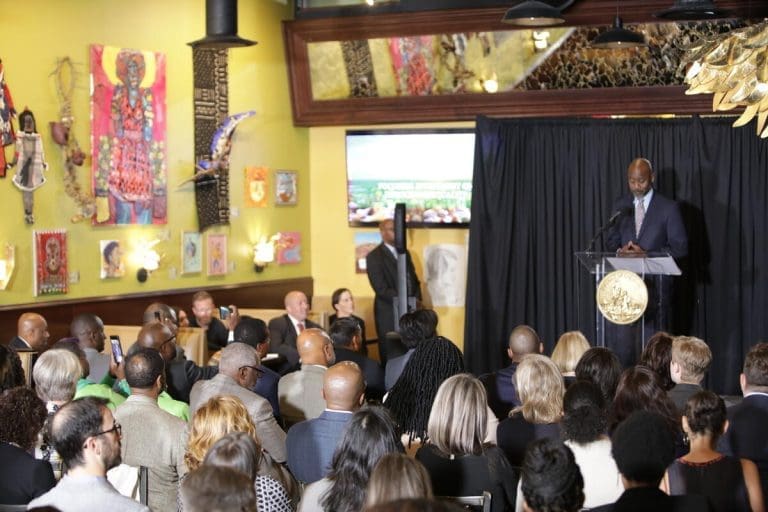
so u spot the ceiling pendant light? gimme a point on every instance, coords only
(535, 13)
(617, 37)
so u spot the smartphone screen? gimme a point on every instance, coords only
(117, 349)
(223, 313)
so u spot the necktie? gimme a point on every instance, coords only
(300, 325)
(639, 215)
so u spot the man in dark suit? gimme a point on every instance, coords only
(181, 375)
(381, 265)
(311, 443)
(347, 340)
(500, 386)
(747, 435)
(651, 223)
(31, 333)
(284, 329)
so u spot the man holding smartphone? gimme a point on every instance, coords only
(217, 332)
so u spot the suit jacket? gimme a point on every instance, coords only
(300, 394)
(19, 344)
(381, 266)
(22, 477)
(644, 499)
(86, 494)
(282, 339)
(372, 372)
(502, 395)
(270, 434)
(747, 435)
(266, 387)
(680, 394)
(662, 228)
(311, 444)
(182, 375)
(395, 368)
(155, 439)
(216, 335)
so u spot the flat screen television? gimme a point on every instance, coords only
(428, 170)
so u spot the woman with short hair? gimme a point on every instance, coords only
(540, 388)
(455, 455)
(568, 350)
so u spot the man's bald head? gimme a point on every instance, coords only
(158, 336)
(166, 314)
(387, 231)
(89, 331)
(522, 341)
(297, 305)
(315, 347)
(33, 328)
(344, 387)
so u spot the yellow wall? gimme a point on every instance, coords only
(333, 264)
(34, 33)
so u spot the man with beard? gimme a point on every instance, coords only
(87, 438)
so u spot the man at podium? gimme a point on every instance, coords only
(650, 223)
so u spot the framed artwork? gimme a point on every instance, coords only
(256, 187)
(111, 255)
(128, 132)
(50, 262)
(364, 243)
(289, 248)
(217, 254)
(285, 188)
(191, 252)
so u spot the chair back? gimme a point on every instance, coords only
(12, 508)
(477, 503)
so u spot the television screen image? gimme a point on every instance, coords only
(430, 171)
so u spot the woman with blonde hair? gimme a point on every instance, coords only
(540, 388)
(455, 455)
(568, 350)
(222, 415)
(397, 476)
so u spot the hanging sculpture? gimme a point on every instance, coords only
(63, 134)
(30, 160)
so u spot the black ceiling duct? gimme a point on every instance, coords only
(221, 26)
(692, 10)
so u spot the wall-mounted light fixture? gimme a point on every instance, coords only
(7, 264)
(264, 252)
(149, 259)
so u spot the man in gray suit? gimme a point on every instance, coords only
(301, 393)
(238, 373)
(311, 443)
(153, 438)
(87, 438)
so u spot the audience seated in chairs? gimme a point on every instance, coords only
(657, 355)
(601, 367)
(217, 489)
(397, 476)
(500, 385)
(22, 478)
(410, 400)
(568, 350)
(254, 332)
(455, 455)
(551, 480)
(240, 451)
(347, 345)
(222, 415)
(88, 438)
(285, 329)
(311, 443)
(690, 362)
(540, 388)
(640, 390)
(585, 425)
(728, 482)
(368, 437)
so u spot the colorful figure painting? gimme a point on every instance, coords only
(128, 125)
(50, 262)
(191, 252)
(111, 255)
(217, 254)
(256, 187)
(289, 248)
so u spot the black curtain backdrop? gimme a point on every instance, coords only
(542, 189)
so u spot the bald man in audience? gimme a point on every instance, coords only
(163, 313)
(502, 396)
(311, 443)
(238, 373)
(180, 375)
(31, 333)
(285, 329)
(89, 331)
(152, 437)
(300, 393)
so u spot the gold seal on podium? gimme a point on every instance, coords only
(622, 297)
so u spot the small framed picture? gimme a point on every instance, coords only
(191, 252)
(217, 254)
(285, 188)
(111, 255)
